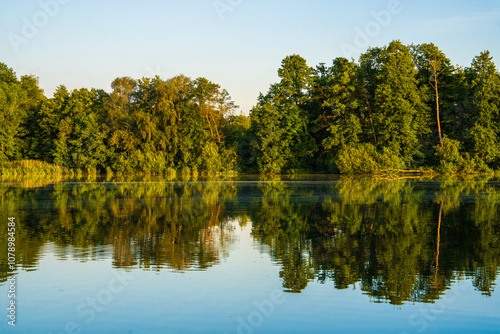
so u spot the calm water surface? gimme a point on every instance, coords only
(248, 255)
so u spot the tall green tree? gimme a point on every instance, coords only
(340, 105)
(281, 122)
(433, 65)
(119, 121)
(484, 107)
(271, 150)
(397, 105)
(13, 114)
(81, 139)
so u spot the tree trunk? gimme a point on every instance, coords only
(437, 114)
(436, 280)
(435, 72)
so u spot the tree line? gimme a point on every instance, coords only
(146, 126)
(398, 107)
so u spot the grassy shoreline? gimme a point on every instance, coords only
(42, 168)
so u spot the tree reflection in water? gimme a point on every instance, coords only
(402, 240)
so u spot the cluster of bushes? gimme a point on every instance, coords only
(363, 158)
(453, 161)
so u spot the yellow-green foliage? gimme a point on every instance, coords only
(365, 159)
(451, 161)
(171, 173)
(30, 167)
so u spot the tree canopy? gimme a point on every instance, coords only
(397, 107)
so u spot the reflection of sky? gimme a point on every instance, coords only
(218, 299)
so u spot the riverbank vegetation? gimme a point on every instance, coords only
(399, 107)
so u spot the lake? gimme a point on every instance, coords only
(320, 254)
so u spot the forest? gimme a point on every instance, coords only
(400, 241)
(398, 108)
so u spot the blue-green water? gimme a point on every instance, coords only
(312, 255)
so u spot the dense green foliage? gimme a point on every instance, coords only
(389, 111)
(147, 126)
(399, 107)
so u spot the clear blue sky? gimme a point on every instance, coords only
(88, 43)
